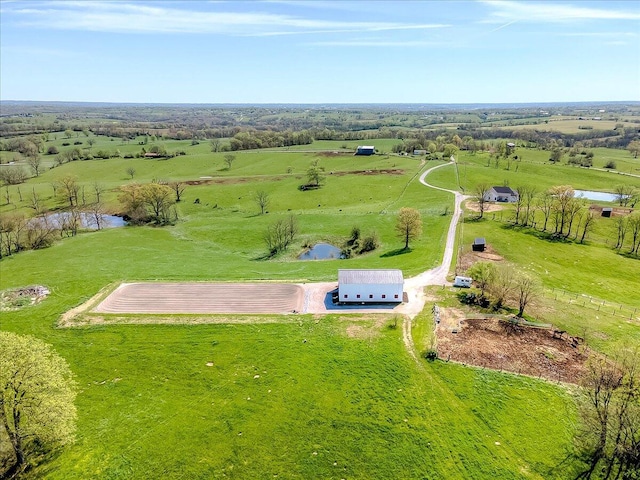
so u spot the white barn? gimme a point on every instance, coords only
(370, 286)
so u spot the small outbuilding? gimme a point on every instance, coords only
(607, 212)
(419, 152)
(366, 150)
(501, 194)
(370, 286)
(479, 244)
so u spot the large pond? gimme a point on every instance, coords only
(88, 220)
(598, 196)
(321, 251)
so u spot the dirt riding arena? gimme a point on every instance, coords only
(197, 298)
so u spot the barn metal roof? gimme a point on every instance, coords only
(381, 276)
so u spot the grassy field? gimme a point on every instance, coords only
(304, 397)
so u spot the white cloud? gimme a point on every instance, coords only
(553, 12)
(372, 43)
(120, 17)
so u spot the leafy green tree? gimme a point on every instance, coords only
(315, 174)
(229, 159)
(37, 394)
(482, 273)
(409, 225)
(634, 148)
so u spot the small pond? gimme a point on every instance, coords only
(321, 251)
(598, 196)
(88, 221)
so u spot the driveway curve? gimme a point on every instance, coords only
(271, 298)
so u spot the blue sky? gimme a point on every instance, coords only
(320, 51)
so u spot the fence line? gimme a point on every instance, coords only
(598, 304)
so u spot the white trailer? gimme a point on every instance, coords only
(463, 282)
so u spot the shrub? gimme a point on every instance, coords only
(431, 354)
(369, 243)
(52, 150)
(610, 164)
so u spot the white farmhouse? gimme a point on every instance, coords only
(501, 194)
(370, 286)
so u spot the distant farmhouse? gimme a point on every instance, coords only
(501, 194)
(370, 286)
(366, 150)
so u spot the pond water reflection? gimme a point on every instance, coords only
(321, 251)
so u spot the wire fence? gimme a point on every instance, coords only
(593, 303)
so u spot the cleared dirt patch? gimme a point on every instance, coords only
(488, 207)
(500, 345)
(467, 259)
(193, 298)
(384, 171)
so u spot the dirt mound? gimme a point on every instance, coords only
(22, 297)
(501, 345)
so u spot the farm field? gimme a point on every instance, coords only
(309, 396)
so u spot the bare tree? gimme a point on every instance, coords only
(609, 437)
(280, 234)
(13, 175)
(35, 162)
(96, 215)
(11, 233)
(178, 188)
(529, 195)
(563, 200)
(634, 226)
(131, 172)
(545, 205)
(622, 225)
(526, 291)
(69, 188)
(480, 196)
(623, 194)
(98, 188)
(262, 199)
(587, 224)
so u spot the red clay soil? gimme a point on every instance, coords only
(500, 345)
